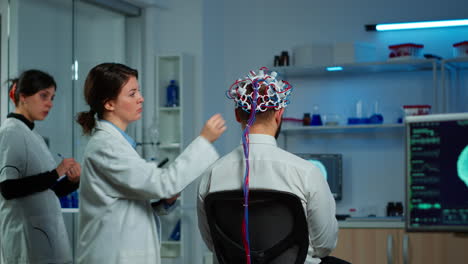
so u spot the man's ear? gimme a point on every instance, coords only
(279, 115)
(109, 105)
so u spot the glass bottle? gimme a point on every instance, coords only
(316, 118)
(306, 119)
(172, 94)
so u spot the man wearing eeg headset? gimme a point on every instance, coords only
(271, 167)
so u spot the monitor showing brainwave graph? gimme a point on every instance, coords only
(437, 172)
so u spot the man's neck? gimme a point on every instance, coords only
(262, 129)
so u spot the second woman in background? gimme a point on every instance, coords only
(117, 224)
(31, 222)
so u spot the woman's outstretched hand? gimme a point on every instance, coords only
(214, 128)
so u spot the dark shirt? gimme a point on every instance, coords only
(17, 188)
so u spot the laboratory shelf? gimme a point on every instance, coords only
(392, 65)
(170, 249)
(170, 146)
(174, 124)
(70, 210)
(457, 63)
(340, 129)
(169, 109)
(372, 222)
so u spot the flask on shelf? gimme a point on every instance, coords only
(172, 94)
(316, 118)
(376, 117)
(360, 117)
(175, 234)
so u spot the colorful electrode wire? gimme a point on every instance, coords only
(247, 95)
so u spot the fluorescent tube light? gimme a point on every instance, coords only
(417, 25)
(334, 68)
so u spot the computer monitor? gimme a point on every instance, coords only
(331, 166)
(437, 172)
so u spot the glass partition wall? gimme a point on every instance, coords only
(65, 38)
(4, 21)
(44, 41)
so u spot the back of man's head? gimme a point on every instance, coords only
(260, 117)
(258, 96)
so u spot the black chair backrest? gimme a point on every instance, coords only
(277, 226)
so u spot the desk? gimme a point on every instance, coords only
(387, 242)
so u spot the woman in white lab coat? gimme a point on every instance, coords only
(117, 224)
(31, 222)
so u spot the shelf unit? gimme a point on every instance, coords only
(360, 68)
(171, 122)
(70, 210)
(454, 96)
(392, 65)
(171, 146)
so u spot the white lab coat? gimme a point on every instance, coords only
(117, 224)
(31, 228)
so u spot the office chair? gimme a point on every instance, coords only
(277, 226)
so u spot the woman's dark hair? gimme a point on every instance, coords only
(12, 83)
(103, 83)
(30, 82)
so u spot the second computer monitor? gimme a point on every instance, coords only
(331, 166)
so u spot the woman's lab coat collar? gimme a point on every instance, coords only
(110, 128)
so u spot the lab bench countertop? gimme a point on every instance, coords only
(372, 222)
